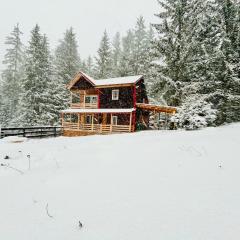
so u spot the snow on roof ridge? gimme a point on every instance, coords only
(132, 76)
(115, 80)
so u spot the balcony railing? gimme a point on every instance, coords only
(84, 105)
(97, 128)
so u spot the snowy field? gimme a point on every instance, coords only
(166, 185)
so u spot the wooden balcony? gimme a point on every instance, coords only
(84, 105)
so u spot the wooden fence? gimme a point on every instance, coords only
(31, 132)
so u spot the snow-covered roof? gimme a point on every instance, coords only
(120, 80)
(105, 82)
(102, 110)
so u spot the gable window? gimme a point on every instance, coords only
(115, 94)
(114, 120)
(91, 99)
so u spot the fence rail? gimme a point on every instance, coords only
(31, 132)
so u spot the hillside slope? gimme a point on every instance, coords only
(170, 185)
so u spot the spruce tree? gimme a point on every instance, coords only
(126, 58)
(116, 53)
(172, 51)
(103, 66)
(67, 60)
(66, 64)
(11, 77)
(90, 66)
(34, 108)
(140, 47)
(230, 74)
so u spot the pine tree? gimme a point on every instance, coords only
(103, 66)
(53, 101)
(67, 60)
(83, 66)
(172, 50)
(2, 115)
(216, 58)
(230, 77)
(11, 77)
(90, 66)
(140, 47)
(34, 108)
(66, 64)
(116, 53)
(126, 58)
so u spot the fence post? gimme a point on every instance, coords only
(55, 131)
(24, 133)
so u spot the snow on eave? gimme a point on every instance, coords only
(99, 110)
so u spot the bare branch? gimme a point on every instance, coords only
(48, 211)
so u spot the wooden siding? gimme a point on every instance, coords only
(125, 98)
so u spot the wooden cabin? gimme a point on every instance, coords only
(104, 106)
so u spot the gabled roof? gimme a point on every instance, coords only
(105, 82)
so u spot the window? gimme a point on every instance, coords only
(114, 120)
(91, 99)
(115, 94)
(89, 119)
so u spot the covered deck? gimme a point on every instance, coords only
(159, 115)
(78, 122)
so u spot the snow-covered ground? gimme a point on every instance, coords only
(170, 185)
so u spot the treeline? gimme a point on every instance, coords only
(198, 68)
(33, 84)
(190, 58)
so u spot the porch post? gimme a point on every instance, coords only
(92, 120)
(78, 121)
(84, 103)
(111, 123)
(130, 124)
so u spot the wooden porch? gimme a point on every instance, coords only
(78, 124)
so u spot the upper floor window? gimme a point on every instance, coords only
(91, 99)
(115, 94)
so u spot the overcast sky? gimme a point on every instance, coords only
(89, 18)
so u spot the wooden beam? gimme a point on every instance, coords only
(84, 100)
(156, 108)
(111, 123)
